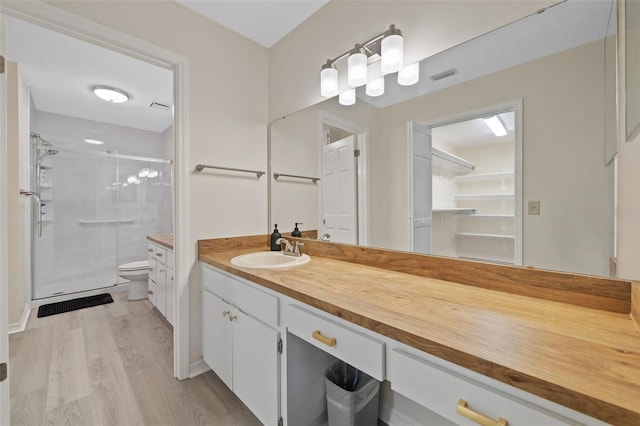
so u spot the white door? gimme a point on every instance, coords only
(421, 198)
(4, 289)
(217, 336)
(339, 195)
(256, 371)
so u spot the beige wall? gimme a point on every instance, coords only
(227, 119)
(563, 156)
(429, 27)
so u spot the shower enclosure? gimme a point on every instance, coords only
(95, 211)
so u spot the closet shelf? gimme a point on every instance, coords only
(454, 210)
(487, 236)
(452, 162)
(506, 196)
(484, 177)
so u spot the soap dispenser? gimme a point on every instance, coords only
(296, 232)
(275, 235)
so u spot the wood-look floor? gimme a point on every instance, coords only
(111, 365)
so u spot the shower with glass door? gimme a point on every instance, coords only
(92, 212)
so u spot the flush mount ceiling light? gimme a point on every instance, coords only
(93, 141)
(387, 47)
(110, 94)
(495, 125)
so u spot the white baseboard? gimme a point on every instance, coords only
(394, 417)
(22, 324)
(197, 368)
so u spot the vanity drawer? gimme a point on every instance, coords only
(248, 299)
(443, 391)
(348, 344)
(157, 252)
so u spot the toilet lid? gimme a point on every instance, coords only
(133, 266)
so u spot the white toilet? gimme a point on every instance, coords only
(138, 274)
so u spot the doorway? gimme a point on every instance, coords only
(468, 177)
(344, 196)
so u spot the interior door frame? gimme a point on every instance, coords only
(362, 143)
(516, 106)
(53, 18)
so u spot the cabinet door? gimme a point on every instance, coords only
(217, 336)
(161, 281)
(171, 296)
(256, 367)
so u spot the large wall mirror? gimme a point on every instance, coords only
(418, 168)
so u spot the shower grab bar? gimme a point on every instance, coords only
(103, 221)
(312, 179)
(201, 167)
(37, 198)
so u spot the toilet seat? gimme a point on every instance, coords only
(134, 266)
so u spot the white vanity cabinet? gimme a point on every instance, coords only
(161, 280)
(241, 342)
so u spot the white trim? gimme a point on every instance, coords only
(51, 17)
(68, 296)
(197, 368)
(21, 325)
(517, 107)
(393, 417)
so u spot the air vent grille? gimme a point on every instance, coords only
(444, 74)
(159, 106)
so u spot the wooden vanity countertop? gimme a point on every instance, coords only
(581, 357)
(164, 240)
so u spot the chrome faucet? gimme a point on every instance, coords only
(324, 237)
(290, 249)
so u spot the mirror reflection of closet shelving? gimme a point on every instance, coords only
(473, 206)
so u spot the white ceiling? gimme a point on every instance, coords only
(473, 133)
(60, 71)
(263, 21)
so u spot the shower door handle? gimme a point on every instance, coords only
(37, 198)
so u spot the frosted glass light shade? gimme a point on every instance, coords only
(347, 98)
(392, 52)
(329, 82)
(375, 87)
(357, 69)
(495, 125)
(110, 94)
(409, 75)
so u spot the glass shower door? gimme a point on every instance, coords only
(78, 247)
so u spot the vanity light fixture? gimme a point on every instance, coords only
(495, 125)
(387, 47)
(110, 94)
(144, 172)
(357, 67)
(347, 98)
(409, 75)
(153, 173)
(93, 141)
(375, 87)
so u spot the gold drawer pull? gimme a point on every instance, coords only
(476, 417)
(150, 291)
(159, 254)
(232, 318)
(150, 269)
(225, 313)
(151, 250)
(329, 341)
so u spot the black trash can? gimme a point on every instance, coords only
(352, 396)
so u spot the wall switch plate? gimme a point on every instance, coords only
(534, 207)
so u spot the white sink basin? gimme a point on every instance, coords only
(268, 260)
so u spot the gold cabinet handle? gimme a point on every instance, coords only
(232, 318)
(161, 270)
(150, 291)
(150, 269)
(225, 313)
(159, 254)
(476, 417)
(150, 250)
(329, 341)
